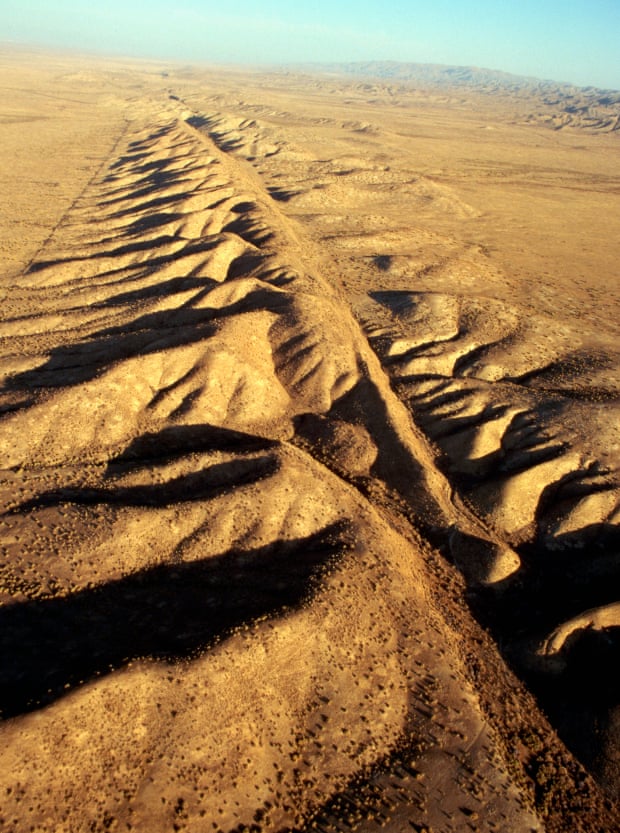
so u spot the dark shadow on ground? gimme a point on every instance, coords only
(579, 572)
(165, 330)
(205, 484)
(181, 440)
(166, 613)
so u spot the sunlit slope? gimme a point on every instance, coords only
(512, 377)
(223, 608)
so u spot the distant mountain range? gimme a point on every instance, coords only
(556, 103)
(444, 75)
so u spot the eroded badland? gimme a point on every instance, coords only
(309, 443)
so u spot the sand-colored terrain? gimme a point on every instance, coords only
(309, 449)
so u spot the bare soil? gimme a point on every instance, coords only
(309, 443)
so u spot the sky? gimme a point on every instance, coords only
(563, 40)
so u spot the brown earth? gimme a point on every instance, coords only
(309, 447)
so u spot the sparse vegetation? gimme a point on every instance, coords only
(274, 436)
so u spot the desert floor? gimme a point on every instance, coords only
(309, 449)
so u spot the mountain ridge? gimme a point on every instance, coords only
(555, 104)
(448, 74)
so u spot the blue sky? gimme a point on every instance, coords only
(571, 40)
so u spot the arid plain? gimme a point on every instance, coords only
(309, 449)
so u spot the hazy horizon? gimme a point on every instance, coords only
(574, 42)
